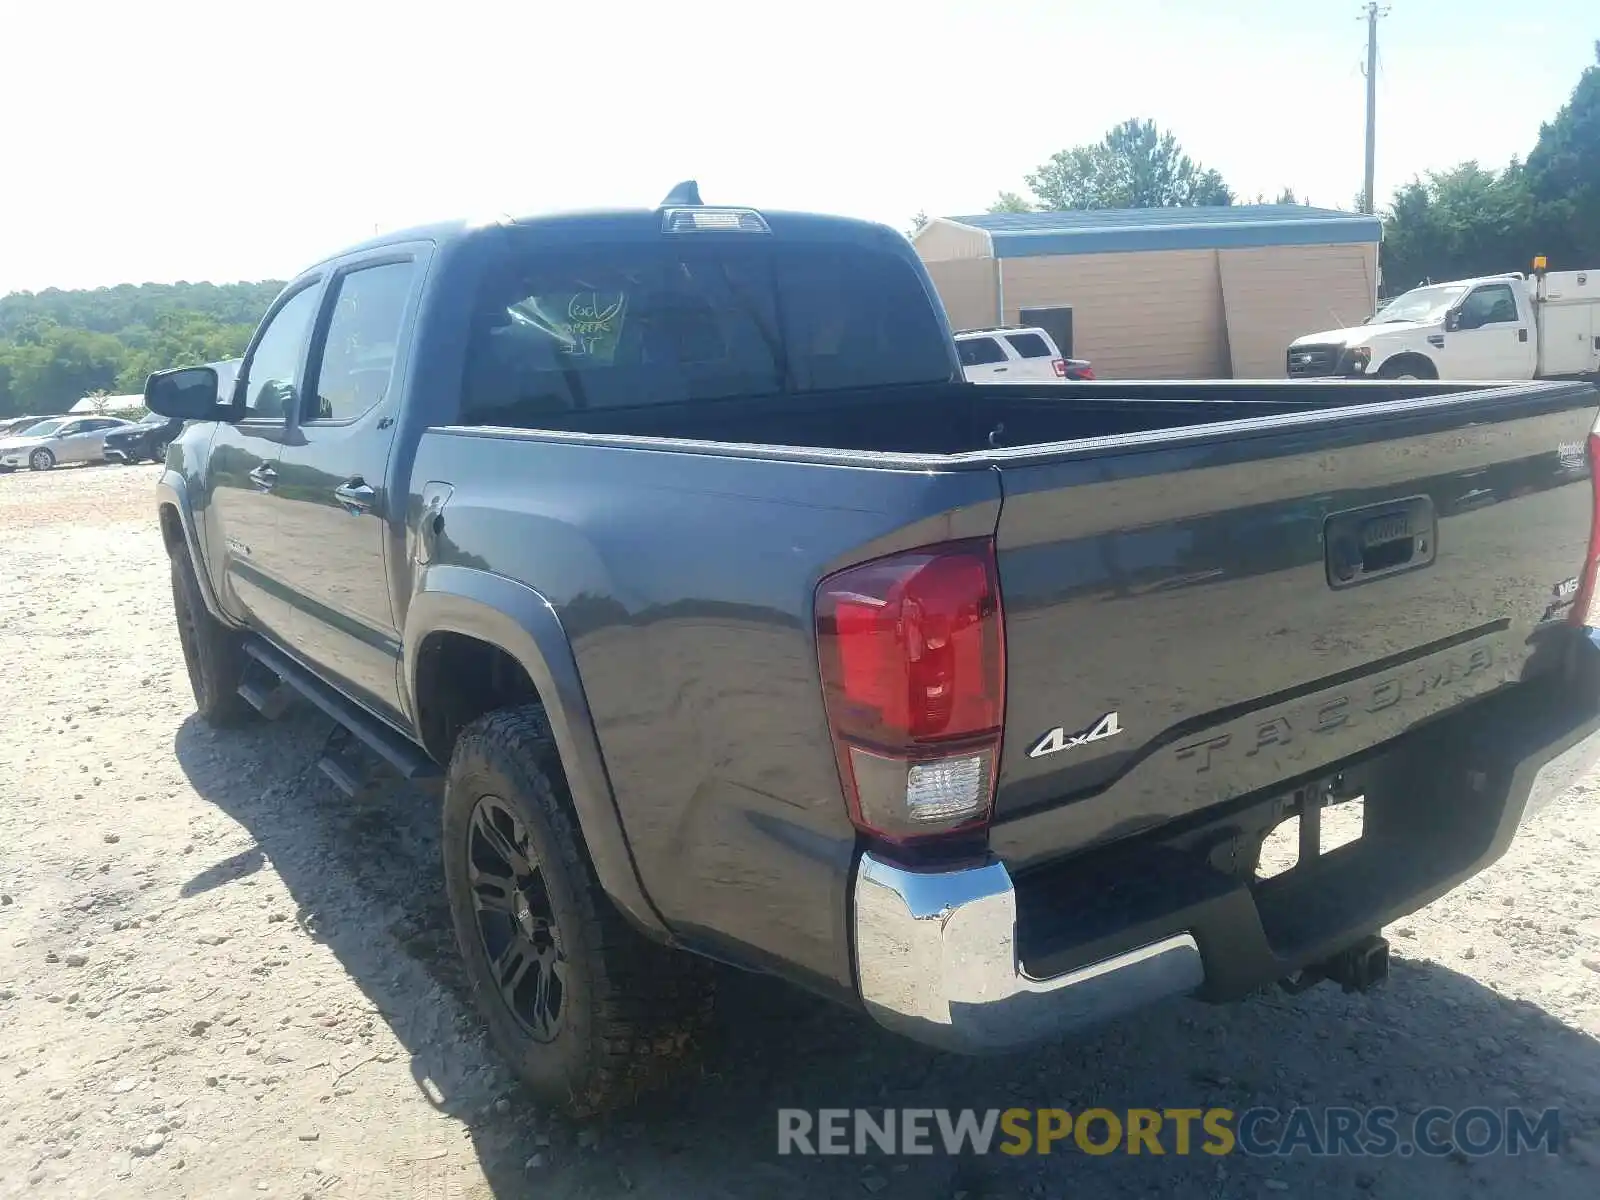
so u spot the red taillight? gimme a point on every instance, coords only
(1585, 611)
(912, 655)
(1060, 366)
(1084, 372)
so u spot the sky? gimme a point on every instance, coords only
(169, 140)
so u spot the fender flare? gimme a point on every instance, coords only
(1427, 358)
(173, 490)
(521, 622)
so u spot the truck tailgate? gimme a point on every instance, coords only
(1196, 616)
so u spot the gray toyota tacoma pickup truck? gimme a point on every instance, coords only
(741, 628)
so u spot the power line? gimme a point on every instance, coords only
(1373, 12)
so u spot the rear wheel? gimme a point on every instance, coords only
(158, 452)
(213, 653)
(587, 1011)
(41, 460)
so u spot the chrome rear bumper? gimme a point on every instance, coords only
(936, 960)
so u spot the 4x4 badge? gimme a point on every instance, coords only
(1059, 739)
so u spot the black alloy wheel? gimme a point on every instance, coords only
(516, 922)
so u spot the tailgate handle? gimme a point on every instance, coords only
(1363, 544)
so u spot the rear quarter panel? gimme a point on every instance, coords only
(684, 583)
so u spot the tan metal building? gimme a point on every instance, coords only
(1163, 293)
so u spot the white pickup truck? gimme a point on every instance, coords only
(1498, 327)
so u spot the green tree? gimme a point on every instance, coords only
(60, 368)
(1010, 202)
(56, 347)
(1564, 176)
(1458, 223)
(1135, 165)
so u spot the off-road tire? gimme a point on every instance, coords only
(632, 1011)
(213, 653)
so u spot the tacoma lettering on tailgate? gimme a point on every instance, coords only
(1335, 712)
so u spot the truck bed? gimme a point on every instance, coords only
(962, 418)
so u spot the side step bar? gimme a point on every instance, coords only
(399, 752)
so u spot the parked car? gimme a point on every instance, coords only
(1025, 353)
(1546, 326)
(58, 441)
(742, 628)
(146, 438)
(14, 425)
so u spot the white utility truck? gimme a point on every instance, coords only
(1540, 326)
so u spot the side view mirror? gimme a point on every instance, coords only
(1452, 320)
(187, 393)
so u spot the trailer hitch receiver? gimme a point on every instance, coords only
(1359, 967)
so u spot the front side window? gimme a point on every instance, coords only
(637, 325)
(359, 353)
(275, 374)
(1493, 304)
(980, 351)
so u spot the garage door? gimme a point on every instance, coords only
(1273, 294)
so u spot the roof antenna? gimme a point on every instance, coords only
(684, 195)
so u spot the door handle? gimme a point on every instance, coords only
(355, 496)
(997, 370)
(264, 477)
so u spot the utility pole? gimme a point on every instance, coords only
(1373, 13)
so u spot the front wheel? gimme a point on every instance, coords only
(212, 652)
(1406, 369)
(587, 1011)
(41, 460)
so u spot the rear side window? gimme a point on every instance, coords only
(980, 351)
(637, 325)
(1029, 345)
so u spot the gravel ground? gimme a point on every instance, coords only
(219, 977)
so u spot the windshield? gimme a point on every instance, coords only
(625, 326)
(153, 418)
(1423, 305)
(42, 429)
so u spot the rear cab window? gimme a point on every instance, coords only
(561, 330)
